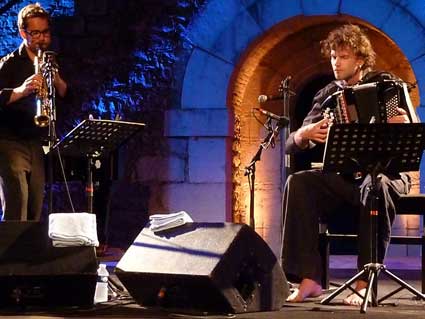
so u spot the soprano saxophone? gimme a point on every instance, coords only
(43, 65)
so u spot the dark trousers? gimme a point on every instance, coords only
(311, 197)
(21, 179)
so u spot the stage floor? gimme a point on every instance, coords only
(401, 305)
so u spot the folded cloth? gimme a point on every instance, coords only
(159, 222)
(73, 229)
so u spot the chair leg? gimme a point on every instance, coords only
(324, 250)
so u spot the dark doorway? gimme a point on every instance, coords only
(303, 105)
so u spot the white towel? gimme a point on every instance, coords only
(73, 229)
(159, 222)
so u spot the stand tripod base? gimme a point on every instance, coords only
(373, 270)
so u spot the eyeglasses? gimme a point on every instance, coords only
(35, 34)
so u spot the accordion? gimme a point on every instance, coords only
(373, 102)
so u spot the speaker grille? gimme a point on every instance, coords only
(213, 267)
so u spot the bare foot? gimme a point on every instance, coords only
(354, 299)
(307, 288)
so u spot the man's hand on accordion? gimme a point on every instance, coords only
(315, 132)
(400, 118)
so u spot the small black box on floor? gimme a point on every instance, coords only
(207, 267)
(34, 273)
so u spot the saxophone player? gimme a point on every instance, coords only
(22, 176)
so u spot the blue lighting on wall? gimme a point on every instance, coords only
(9, 38)
(118, 67)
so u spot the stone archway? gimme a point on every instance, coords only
(296, 52)
(233, 61)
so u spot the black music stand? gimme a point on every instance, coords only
(95, 138)
(374, 149)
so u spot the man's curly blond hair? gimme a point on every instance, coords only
(350, 36)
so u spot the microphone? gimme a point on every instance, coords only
(281, 119)
(265, 98)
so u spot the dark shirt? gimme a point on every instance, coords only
(17, 119)
(317, 110)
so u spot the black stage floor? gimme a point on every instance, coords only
(401, 305)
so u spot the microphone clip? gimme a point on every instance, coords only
(282, 121)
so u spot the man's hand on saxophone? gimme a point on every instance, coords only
(31, 85)
(60, 85)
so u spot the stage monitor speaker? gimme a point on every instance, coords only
(34, 273)
(204, 267)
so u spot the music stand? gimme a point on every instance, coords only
(374, 149)
(95, 138)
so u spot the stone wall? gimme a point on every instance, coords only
(173, 64)
(118, 57)
(229, 34)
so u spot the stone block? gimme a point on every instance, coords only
(320, 7)
(410, 37)
(200, 123)
(268, 206)
(208, 202)
(414, 8)
(206, 76)
(236, 37)
(161, 169)
(374, 11)
(269, 13)
(209, 160)
(177, 147)
(214, 19)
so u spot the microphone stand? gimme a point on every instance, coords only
(250, 168)
(286, 96)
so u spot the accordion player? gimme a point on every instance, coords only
(373, 102)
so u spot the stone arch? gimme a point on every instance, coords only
(226, 28)
(232, 63)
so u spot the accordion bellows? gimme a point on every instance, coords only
(374, 102)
